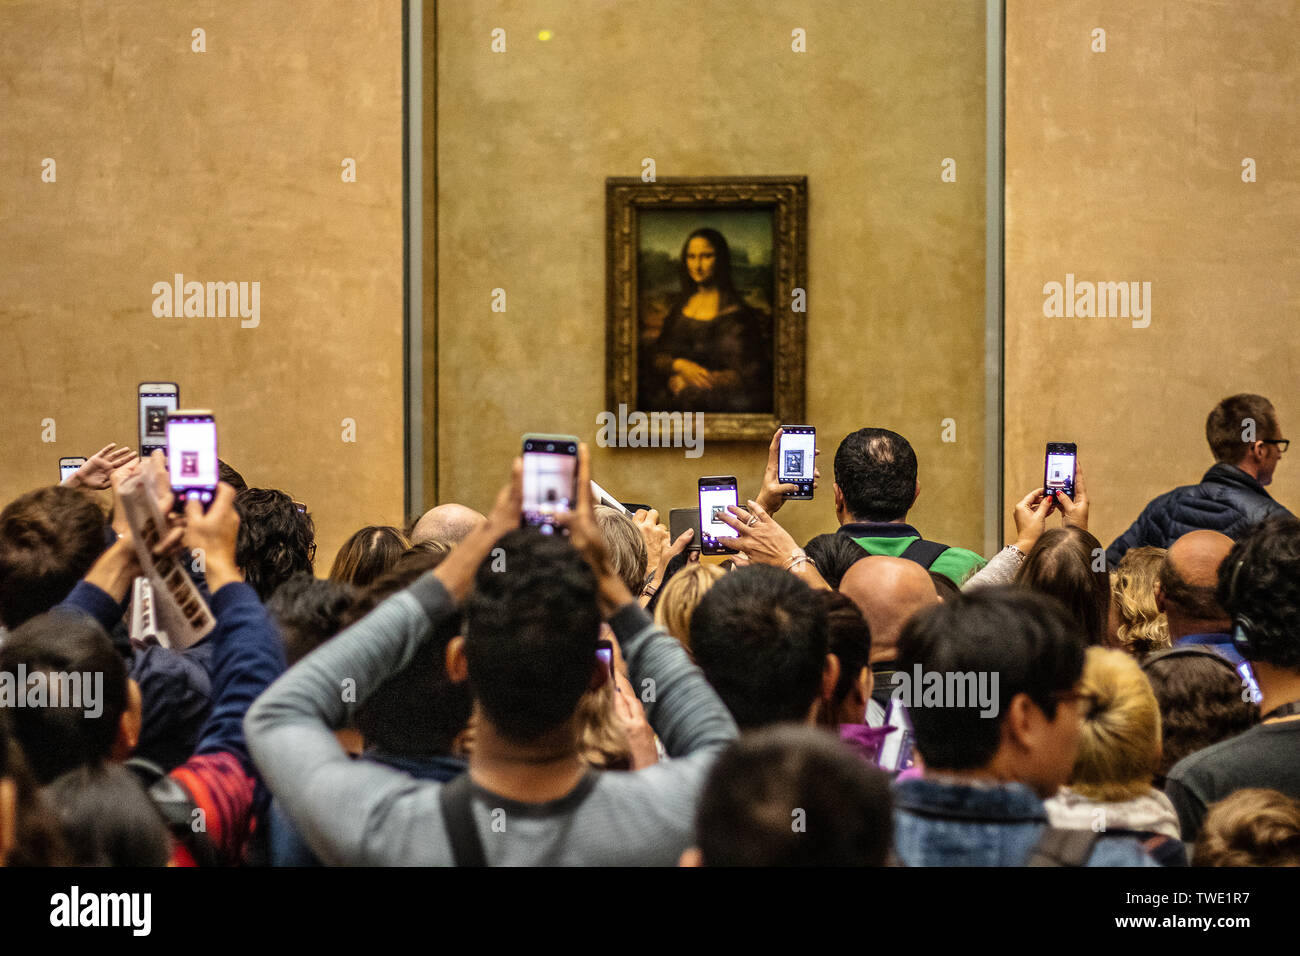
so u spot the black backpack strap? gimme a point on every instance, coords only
(458, 818)
(923, 552)
(1057, 847)
(176, 805)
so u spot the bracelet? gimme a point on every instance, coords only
(648, 591)
(798, 557)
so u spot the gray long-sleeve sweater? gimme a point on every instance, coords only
(363, 813)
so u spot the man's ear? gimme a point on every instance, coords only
(1160, 597)
(868, 684)
(455, 662)
(128, 726)
(9, 817)
(691, 856)
(830, 676)
(916, 494)
(1022, 723)
(839, 499)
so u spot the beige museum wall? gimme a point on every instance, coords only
(1127, 165)
(223, 165)
(526, 138)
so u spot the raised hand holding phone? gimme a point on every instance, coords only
(550, 463)
(215, 533)
(716, 494)
(763, 541)
(585, 536)
(791, 471)
(97, 470)
(1074, 506)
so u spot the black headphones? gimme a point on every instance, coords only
(1242, 626)
(1189, 650)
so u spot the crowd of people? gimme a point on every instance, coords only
(870, 698)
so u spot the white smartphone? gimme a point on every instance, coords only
(68, 467)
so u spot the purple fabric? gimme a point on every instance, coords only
(865, 740)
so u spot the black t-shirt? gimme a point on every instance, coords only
(1264, 756)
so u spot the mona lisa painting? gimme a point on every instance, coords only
(708, 301)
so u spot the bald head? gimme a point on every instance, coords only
(888, 591)
(1187, 582)
(449, 523)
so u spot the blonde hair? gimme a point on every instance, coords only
(681, 595)
(624, 545)
(1143, 627)
(602, 741)
(1252, 827)
(1120, 747)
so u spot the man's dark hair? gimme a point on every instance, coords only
(1192, 600)
(309, 611)
(876, 471)
(760, 637)
(1063, 564)
(1200, 702)
(231, 477)
(108, 819)
(1027, 639)
(1266, 567)
(275, 540)
(834, 554)
(849, 639)
(49, 538)
(793, 796)
(58, 739)
(530, 634)
(37, 836)
(417, 712)
(1228, 424)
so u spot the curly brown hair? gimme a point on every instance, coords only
(1252, 827)
(1200, 697)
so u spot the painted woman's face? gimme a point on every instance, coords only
(701, 259)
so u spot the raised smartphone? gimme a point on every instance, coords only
(679, 519)
(192, 456)
(155, 400)
(797, 458)
(550, 472)
(1058, 468)
(716, 493)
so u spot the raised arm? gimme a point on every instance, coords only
(331, 797)
(681, 706)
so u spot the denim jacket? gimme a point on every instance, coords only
(949, 824)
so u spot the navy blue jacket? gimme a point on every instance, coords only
(175, 686)
(1227, 500)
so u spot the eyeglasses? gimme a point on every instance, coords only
(1282, 444)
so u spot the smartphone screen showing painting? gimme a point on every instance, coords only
(704, 310)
